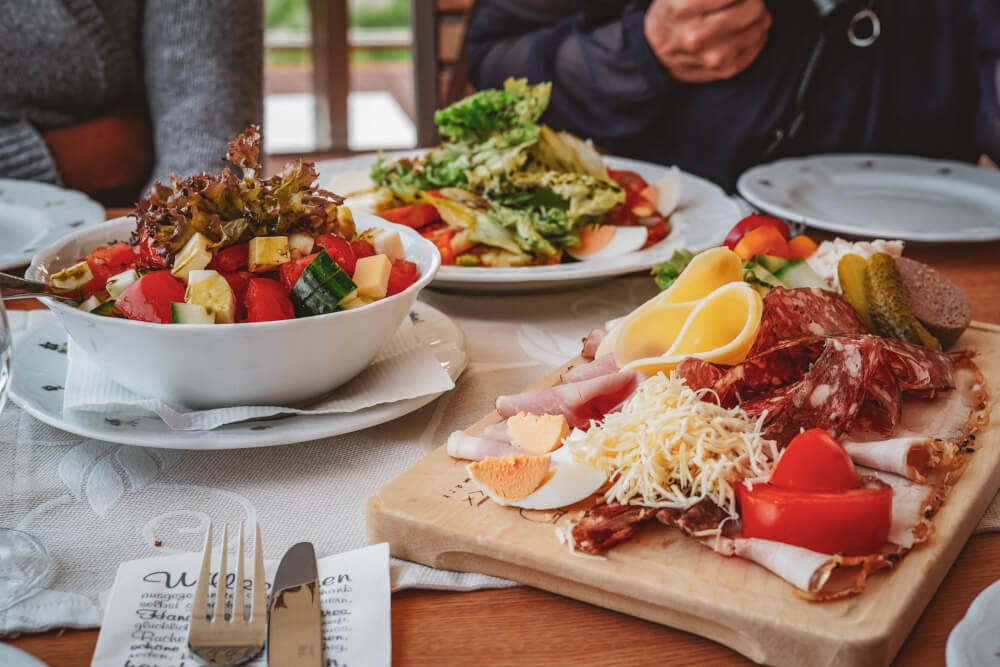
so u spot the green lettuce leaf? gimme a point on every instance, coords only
(666, 273)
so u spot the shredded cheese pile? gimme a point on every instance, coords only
(669, 448)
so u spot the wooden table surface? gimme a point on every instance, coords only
(524, 626)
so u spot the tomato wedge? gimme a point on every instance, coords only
(146, 255)
(815, 461)
(107, 261)
(266, 301)
(290, 272)
(340, 250)
(402, 274)
(631, 181)
(234, 258)
(412, 215)
(854, 522)
(362, 248)
(239, 282)
(752, 222)
(148, 299)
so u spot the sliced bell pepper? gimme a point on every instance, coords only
(107, 261)
(750, 223)
(266, 301)
(802, 246)
(290, 272)
(340, 250)
(402, 274)
(412, 215)
(765, 240)
(854, 522)
(815, 461)
(362, 248)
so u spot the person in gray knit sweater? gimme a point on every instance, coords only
(106, 96)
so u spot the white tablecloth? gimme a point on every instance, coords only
(96, 505)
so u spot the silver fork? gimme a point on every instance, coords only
(222, 640)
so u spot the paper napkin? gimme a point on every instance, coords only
(404, 368)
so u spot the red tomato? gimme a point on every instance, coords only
(340, 250)
(234, 258)
(631, 181)
(854, 522)
(146, 255)
(657, 232)
(239, 281)
(750, 223)
(402, 274)
(427, 231)
(413, 215)
(107, 261)
(290, 272)
(815, 461)
(443, 242)
(361, 249)
(148, 299)
(266, 301)
(620, 215)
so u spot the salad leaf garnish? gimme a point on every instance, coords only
(666, 273)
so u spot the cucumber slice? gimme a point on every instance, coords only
(773, 264)
(321, 287)
(191, 313)
(108, 309)
(798, 274)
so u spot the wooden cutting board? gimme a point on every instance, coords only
(433, 514)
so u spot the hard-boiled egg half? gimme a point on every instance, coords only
(568, 483)
(607, 241)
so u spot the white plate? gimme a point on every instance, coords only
(886, 196)
(703, 217)
(36, 215)
(11, 656)
(38, 374)
(975, 641)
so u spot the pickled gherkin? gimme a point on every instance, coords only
(891, 316)
(851, 274)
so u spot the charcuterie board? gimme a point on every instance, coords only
(433, 514)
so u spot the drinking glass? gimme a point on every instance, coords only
(25, 565)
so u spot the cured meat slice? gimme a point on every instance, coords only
(705, 516)
(591, 342)
(830, 394)
(780, 365)
(461, 445)
(604, 526)
(817, 576)
(913, 505)
(596, 368)
(883, 402)
(913, 458)
(804, 312)
(496, 431)
(699, 374)
(579, 402)
(917, 368)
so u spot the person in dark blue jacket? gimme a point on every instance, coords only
(717, 86)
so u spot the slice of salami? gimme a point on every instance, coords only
(917, 368)
(883, 403)
(803, 312)
(700, 374)
(782, 364)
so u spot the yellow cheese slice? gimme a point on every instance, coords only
(721, 329)
(707, 272)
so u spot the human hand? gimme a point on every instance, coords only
(706, 40)
(104, 154)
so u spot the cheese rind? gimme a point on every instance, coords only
(371, 275)
(537, 434)
(510, 477)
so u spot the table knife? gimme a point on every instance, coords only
(294, 628)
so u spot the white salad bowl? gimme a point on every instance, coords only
(251, 363)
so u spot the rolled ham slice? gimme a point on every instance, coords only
(496, 431)
(817, 576)
(603, 366)
(591, 342)
(461, 445)
(913, 505)
(579, 402)
(912, 457)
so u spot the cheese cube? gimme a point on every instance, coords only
(90, 303)
(371, 275)
(388, 243)
(194, 256)
(210, 289)
(300, 245)
(117, 283)
(73, 277)
(268, 253)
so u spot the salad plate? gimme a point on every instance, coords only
(887, 196)
(703, 216)
(35, 215)
(38, 375)
(976, 638)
